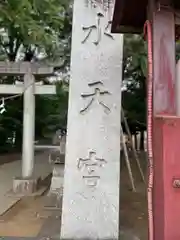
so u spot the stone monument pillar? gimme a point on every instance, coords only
(92, 166)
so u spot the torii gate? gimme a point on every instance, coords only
(28, 89)
(164, 183)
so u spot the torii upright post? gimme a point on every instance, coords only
(26, 184)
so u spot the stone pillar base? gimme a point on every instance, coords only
(25, 186)
(57, 179)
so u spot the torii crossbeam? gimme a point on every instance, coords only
(28, 89)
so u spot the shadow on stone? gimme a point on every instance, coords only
(124, 235)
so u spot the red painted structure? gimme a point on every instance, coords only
(130, 16)
(166, 170)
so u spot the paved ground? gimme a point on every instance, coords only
(22, 220)
(133, 215)
(13, 169)
(7, 158)
(28, 218)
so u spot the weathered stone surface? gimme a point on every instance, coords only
(57, 159)
(20, 68)
(57, 178)
(25, 186)
(57, 156)
(92, 164)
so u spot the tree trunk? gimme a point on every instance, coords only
(135, 141)
(3, 141)
(18, 139)
(142, 141)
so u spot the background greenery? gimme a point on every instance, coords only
(40, 30)
(35, 30)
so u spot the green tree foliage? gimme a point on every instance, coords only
(31, 27)
(34, 30)
(134, 83)
(134, 80)
(53, 115)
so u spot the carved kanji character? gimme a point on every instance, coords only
(95, 96)
(97, 28)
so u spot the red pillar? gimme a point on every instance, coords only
(163, 25)
(166, 127)
(167, 171)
